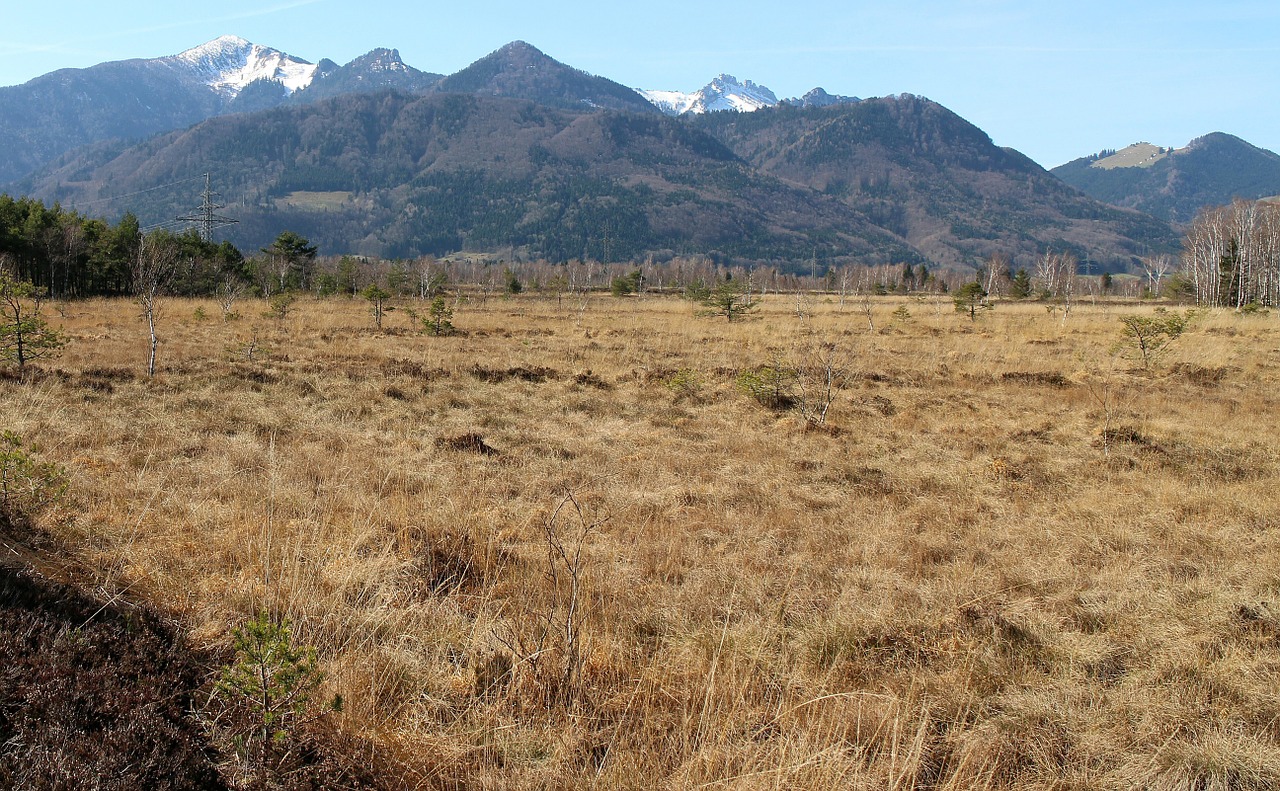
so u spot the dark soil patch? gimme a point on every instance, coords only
(31, 374)
(520, 372)
(1200, 375)
(101, 695)
(590, 379)
(882, 405)
(104, 379)
(95, 696)
(255, 377)
(1131, 436)
(109, 373)
(469, 442)
(1046, 378)
(413, 369)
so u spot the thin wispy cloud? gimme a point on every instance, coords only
(257, 12)
(16, 48)
(962, 50)
(76, 45)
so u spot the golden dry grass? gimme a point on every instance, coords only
(954, 584)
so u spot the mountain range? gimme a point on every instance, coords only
(134, 99)
(396, 175)
(519, 151)
(934, 179)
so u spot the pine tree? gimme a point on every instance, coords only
(293, 258)
(1020, 285)
(730, 299)
(970, 298)
(24, 334)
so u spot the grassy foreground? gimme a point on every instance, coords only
(565, 549)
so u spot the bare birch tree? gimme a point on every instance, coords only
(229, 291)
(1231, 255)
(1157, 268)
(151, 271)
(1057, 278)
(997, 272)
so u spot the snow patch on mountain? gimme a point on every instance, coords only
(382, 60)
(671, 102)
(725, 92)
(229, 63)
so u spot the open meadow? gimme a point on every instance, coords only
(615, 544)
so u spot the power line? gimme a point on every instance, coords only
(167, 225)
(77, 206)
(206, 217)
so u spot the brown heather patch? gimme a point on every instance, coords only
(956, 584)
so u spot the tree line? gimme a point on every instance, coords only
(67, 255)
(1231, 258)
(1231, 255)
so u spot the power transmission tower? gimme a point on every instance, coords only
(206, 217)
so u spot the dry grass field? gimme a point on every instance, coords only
(565, 549)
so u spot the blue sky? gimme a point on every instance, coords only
(1052, 79)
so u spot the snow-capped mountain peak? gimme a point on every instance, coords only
(220, 47)
(229, 63)
(725, 92)
(731, 94)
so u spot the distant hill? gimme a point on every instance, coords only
(73, 107)
(924, 173)
(396, 175)
(1175, 184)
(521, 71)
